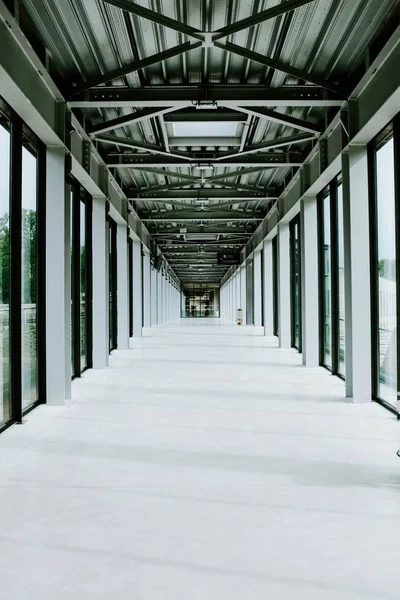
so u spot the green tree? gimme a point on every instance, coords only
(4, 259)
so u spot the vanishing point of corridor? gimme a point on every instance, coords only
(206, 463)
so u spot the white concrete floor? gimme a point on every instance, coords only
(205, 464)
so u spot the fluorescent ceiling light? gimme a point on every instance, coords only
(205, 129)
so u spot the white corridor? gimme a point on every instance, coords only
(204, 464)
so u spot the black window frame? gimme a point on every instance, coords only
(113, 284)
(295, 222)
(392, 129)
(275, 286)
(331, 191)
(79, 195)
(22, 136)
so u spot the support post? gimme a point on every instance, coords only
(309, 282)
(268, 282)
(356, 229)
(122, 287)
(146, 290)
(257, 280)
(137, 288)
(284, 285)
(100, 285)
(58, 280)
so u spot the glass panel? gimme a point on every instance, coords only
(5, 398)
(73, 373)
(341, 361)
(327, 283)
(297, 283)
(387, 339)
(83, 287)
(29, 279)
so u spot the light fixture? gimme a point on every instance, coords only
(207, 104)
(203, 167)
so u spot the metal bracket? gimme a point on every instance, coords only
(323, 154)
(86, 155)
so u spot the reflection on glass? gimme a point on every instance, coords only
(387, 339)
(341, 362)
(83, 315)
(327, 283)
(5, 398)
(29, 280)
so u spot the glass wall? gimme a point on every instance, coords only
(327, 282)
(22, 230)
(340, 276)
(112, 284)
(83, 308)
(29, 284)
(81, 286)
(5, 398)
(332, 291)
(385, 275)
(295, 282)
(275, 284)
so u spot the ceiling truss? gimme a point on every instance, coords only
(200, 201)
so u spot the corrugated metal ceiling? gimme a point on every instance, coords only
(325, 38)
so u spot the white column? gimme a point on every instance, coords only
(309, 282)
(268, 283)
(183, 303)
(284, 285)
(257, 281)
(137, 288)
(58, 280)
(242, 278)
(146, 290)
(153, 297)
(159, 298)
(357, 274)
(100, 285)
(122, 287)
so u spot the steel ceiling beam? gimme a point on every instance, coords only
(234, 173)
(200, 215)
(266, 61)
(269, 144)
(204, 141)
(266, 159)
(123, 121)
(196, 115)
(205, 228)
(156, 17)
(129, 143)
(167, 173)
(203, 193)
(260, 17)
(132, 67)
(182, 184)
(228, 95)
(277, 117)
